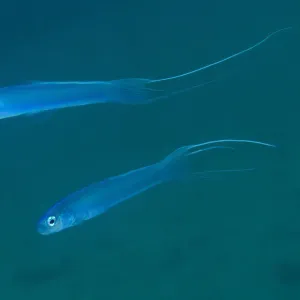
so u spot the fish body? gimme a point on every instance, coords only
(37, 97)
(43, 96)
(98, 198)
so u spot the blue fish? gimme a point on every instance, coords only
(98, 198)
(36, 97)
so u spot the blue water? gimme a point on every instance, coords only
(234, 237)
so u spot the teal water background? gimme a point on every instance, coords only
(236, 237)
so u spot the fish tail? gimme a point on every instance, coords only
(175, 166)
(136, 91)
(178, 165)
(133, 91)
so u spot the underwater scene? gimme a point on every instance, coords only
(150, 150)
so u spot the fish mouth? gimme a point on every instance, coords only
(42, 230)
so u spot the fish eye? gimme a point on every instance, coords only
(51, 221)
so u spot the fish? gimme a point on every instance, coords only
(99, 197)
(40, 96)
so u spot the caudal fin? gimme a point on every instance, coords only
(177, 164)
(134, 91)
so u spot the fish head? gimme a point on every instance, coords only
(55, 220)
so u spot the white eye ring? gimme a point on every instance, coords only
(51, 221)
